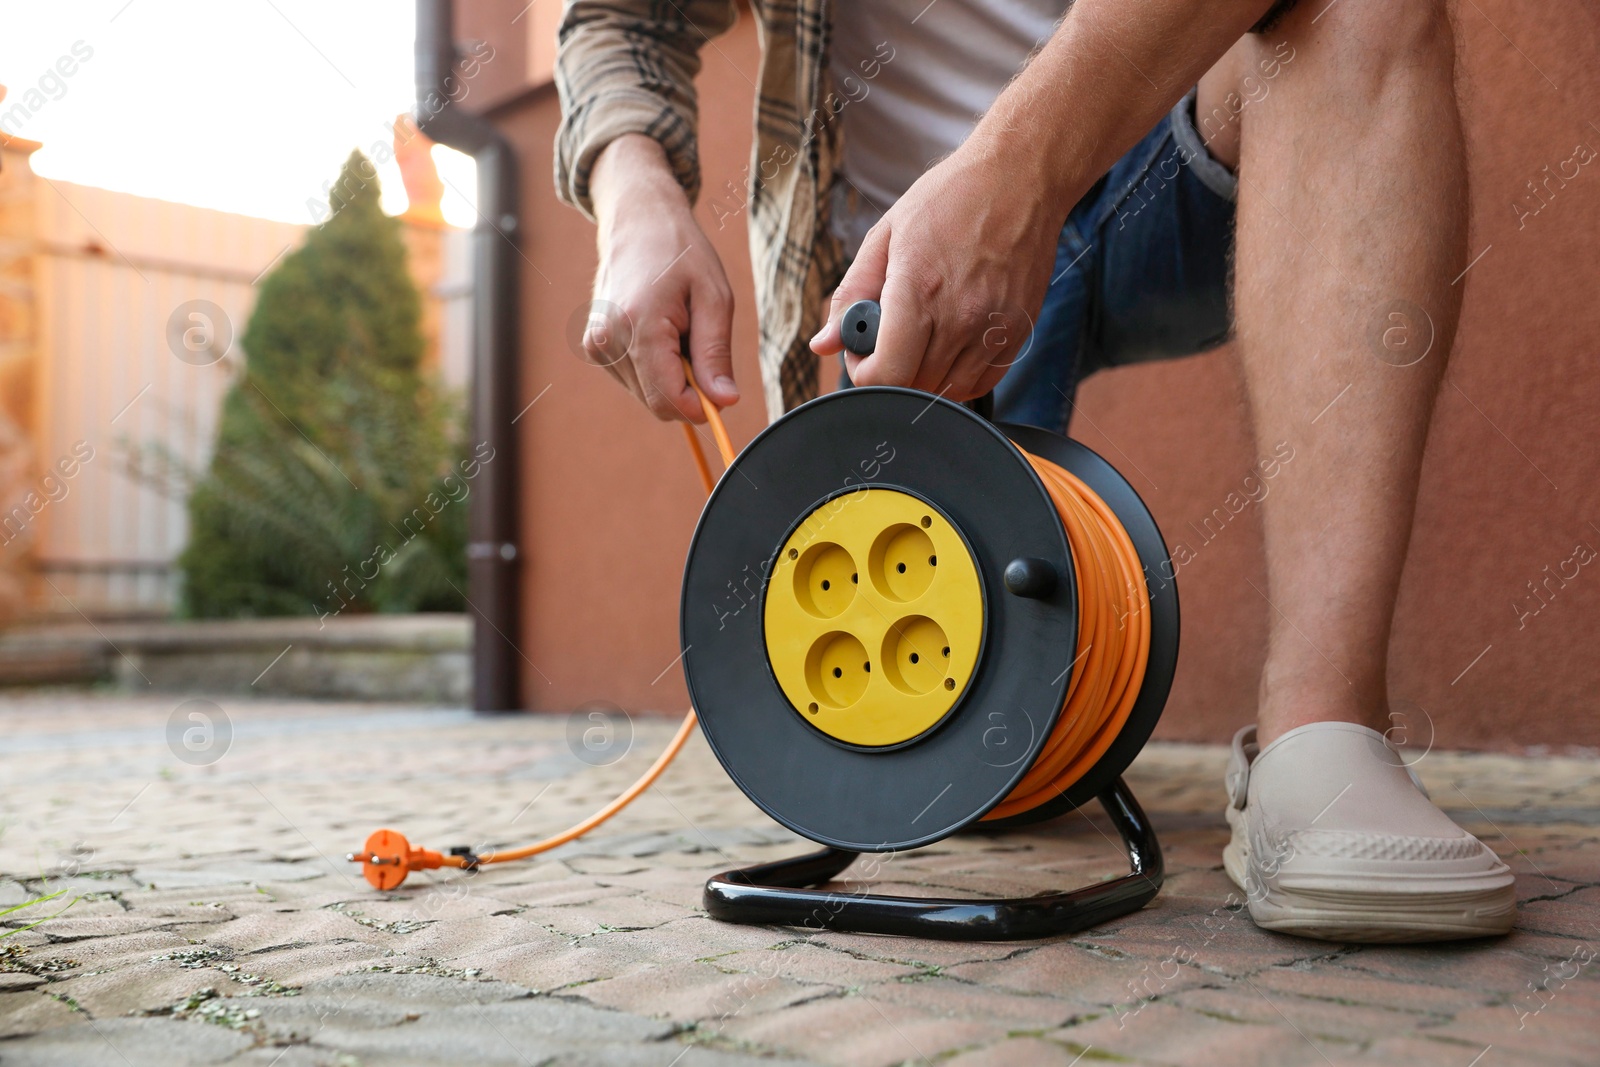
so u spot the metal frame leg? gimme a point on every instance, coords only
(779, 894)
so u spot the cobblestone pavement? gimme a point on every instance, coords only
(217, 923)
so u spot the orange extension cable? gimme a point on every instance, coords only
(1111, 595)
(387, 857)
(1113, 642)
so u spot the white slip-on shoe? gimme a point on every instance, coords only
(1334, 838)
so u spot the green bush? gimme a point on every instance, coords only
(337, 481)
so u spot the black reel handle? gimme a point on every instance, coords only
(859, 328)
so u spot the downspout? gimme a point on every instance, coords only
(492, 555)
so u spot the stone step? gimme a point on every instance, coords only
(425, 657)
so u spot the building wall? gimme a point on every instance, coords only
(1511, 485)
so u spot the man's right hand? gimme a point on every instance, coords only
(660, 292)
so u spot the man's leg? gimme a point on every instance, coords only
(1352, 198)
(1351, 228)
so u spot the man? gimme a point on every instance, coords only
(1128, 152)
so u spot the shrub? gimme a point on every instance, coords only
(331, 438)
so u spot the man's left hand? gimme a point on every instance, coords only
(960, 265)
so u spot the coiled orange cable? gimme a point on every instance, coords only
(1113, 645)
(1113, 642)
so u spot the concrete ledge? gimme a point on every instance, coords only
(376, 657)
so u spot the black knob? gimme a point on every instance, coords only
(859, 326)
(1030, 577)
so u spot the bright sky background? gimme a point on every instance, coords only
(247, 106)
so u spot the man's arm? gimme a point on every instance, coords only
(976, 235)
(659, 282)
(626, 155)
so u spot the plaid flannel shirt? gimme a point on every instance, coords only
(628, 66)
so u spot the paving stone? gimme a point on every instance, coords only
(304, 1018)
(951, 999)
(1316, 1019)
(137, 988)
(551, 968)
(1341, 985)
(70, 928)
(1564, 854)
(32, 1011)
(77, 907)
(860, 1032)
(696, 991)
(606, 865)
(82, 885)
(1162, 1033)
(1229, 948)
(1556, 1034)
(126, 1042)
(525, 1031)
(22, 937)
(1018, 1052)
(234, 897)
(101, 953)
(294, 1055)
(1434, 1050)
(631, 912)
(305, 964)
(413, 989)
(465, 937)
(221, 874)
(577, 889)
(315, 893)
(692, 938)
(275, 929)
(914, 951)
(1485, 965)
(1576, 914)
(458, 899)
(1072, 972)
(191, 914)
(808, 962)
(665, 1054)
(680, 888)
(195, 932)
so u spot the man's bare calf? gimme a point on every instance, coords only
(1352, 200)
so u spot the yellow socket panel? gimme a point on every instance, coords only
(874, 617)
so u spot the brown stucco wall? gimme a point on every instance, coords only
(1510, 484)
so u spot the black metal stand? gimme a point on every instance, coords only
(777, 894)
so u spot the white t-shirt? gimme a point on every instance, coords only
(952, 58)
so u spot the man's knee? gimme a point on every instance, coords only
(1360, 45)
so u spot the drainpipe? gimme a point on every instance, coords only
(492, 556)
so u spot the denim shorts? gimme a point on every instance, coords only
(1141, 273)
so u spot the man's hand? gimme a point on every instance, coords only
(660, 290)
(960, 265)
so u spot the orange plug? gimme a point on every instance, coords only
(388, 857)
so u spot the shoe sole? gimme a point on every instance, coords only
(1345, 915)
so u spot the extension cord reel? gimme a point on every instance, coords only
(902, 621)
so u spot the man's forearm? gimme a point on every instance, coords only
(1101, 82)
(630, 170)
